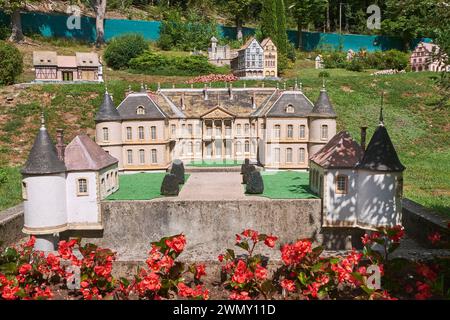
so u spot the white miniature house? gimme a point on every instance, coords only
(63, 186)
(359, 187)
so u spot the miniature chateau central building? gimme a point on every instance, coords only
(279, 129)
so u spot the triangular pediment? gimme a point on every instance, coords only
(218, 113)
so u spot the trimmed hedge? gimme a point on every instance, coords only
(121, 50)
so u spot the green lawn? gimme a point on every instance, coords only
(215, 163)
(10, 189)
(139, 186)
(286, 185)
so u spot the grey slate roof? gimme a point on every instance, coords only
(127, 109)
(107, 110)
(43, 158)
(323, 107)
(302, 106)
(380, 154)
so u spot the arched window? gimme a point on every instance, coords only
(82, 187)
(277, 155)
(341, 184)
(238, 129)
(190, 148)
(198, 147)
(302, 132)
(289, 155)
(105, 134)
(277, 131)
(290, 109)
(141, 156)
(247, 129)
(247, 146)
(324, 132)
(130, 156)
(301, 155)
(140, 110)
(290, 131)
(153, 132)
(154, 156)
(141, 133)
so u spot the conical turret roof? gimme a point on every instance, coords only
(323, 106)
(43, 158)
(380, 154)
(107, 110)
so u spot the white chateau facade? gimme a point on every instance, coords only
(279, 129)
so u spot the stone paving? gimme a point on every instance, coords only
(213, 186)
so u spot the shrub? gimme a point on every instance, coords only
(11, 63)
(121, 50)
(155, 63)
(5, 32)
(356, 64)
(334, 60)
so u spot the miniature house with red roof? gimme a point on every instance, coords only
(360, 187)
(63, 186)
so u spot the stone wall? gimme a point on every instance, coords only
(11, 224)
(210, 226)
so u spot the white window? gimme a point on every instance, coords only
(277, 155)
(140, 110)
(141, 133)
(173, 129)
(129, 133)
(153, 132)
(247, 146)
(24, 191)
(190, 130)
(289, 109)
(341, 184)
(301, 155)
(289, 155)
(238, 147)
(290, 131)
(130, 156)
(198, 147)
(105, 134)
(302, 132)
(324, 132)
(247, 129)
(190, 148)
(154, 156)
(141, 156)
(238, 129)
(82, 187)
(277, 131)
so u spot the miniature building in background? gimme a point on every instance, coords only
(220, 55)
(359, 187)
(50, 67)
(425, 58)
(276, 128)
(62, 186)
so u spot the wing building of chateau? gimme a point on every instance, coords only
(279, 129)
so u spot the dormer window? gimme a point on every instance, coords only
(140, 110)
(290, 109)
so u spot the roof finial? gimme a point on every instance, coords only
(296, 84)
(42, 120)
(106, 89)
(301, 87)
(381, 109)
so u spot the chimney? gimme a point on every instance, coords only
(363, 138)
(230, 91)
(60, 146)
(183, 107)
(254, 100)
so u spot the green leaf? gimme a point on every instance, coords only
(244, 245)
(9, 268)
(231, 253)
(317, 267)
(303, 278)
(367, 290)
(268, 287)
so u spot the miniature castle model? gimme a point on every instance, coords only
(256, 60)
(424, 58)
(279, 129)
(220, 55)
(359, 187)
(62, 186)
(49, 67)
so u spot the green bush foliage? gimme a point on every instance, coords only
(121, 50)
(11, 63)
(158, 64)
(192, 33)
(5, 32)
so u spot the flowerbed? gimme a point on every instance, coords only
(85, 272)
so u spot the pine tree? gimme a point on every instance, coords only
(281, 35)
(269, 20)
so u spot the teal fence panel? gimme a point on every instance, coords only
(55, 25)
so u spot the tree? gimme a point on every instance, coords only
(13, 8)
(306, 12)
(282, 38)
(239, 11)
(269, 20)
(99, 7)
(11, 63)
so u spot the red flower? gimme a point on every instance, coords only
(200, 292)
(261, 272)
(54, 262)
(184, 290)
(8, 293)
(30, 243)
(177, 243)
(270, 241)
(399, 233)
(426, 272)
(243, 295)
(103, 271)
(434, 237)
(289, 285)
(220, 257)
(424, 291)
(25, 268)
(65, 249)
(294, 253)
(200, 270)
(238, 238)
(150, 282)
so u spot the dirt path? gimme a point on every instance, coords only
(213, 186)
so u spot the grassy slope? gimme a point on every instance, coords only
(419, 132)
(286, 185)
